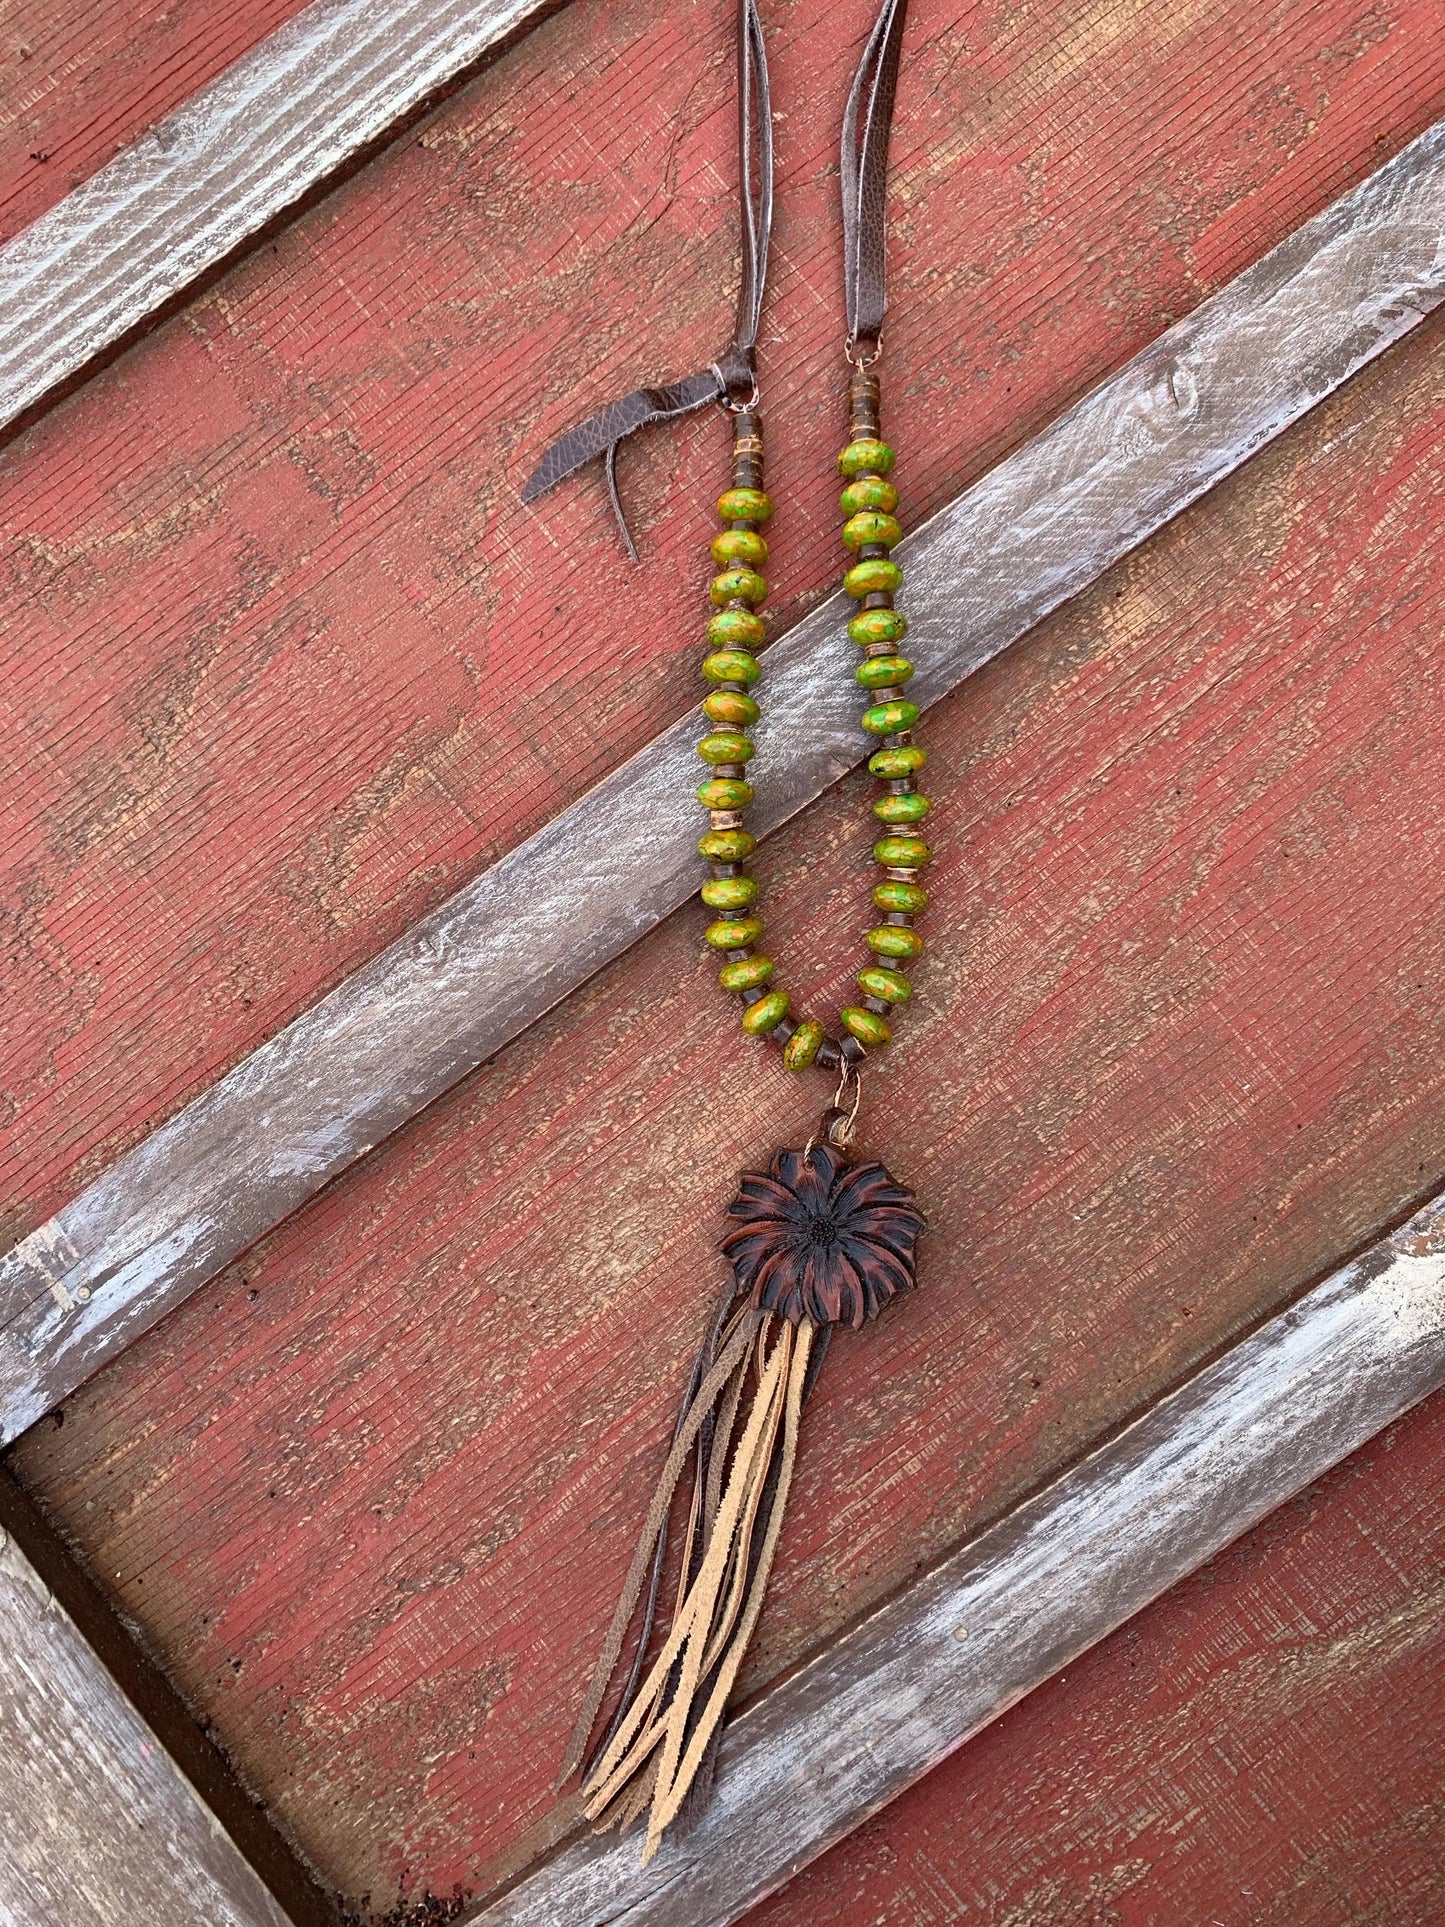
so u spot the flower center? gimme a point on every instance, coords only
(819, 1232)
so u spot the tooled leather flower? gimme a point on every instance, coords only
(822, 1239)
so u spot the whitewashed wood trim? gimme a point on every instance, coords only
(204, 180)
(443, 997)
(881, 1706)
(98, 1826)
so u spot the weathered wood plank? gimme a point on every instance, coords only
(876, 1710)
(1261, 1744)
(281, 120)
(1034, 532)
(82, 79)
(100, 1826)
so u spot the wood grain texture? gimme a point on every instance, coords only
(872, 1713)
(99, 1825)
(270, 129)
(1177, 1047)
(81, 79)
(1262, 1748)
(291, 667)
(406, 1026)
(287, 664)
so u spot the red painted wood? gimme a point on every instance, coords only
(81, 79)
(1263, 1745)
(292, 663)
(1177, 1046)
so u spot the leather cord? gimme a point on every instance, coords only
(867, 120)
(732, 378)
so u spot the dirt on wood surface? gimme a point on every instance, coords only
(430, 1911)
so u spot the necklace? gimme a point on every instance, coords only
(820, 1239)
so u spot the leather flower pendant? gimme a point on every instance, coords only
(822, 1239)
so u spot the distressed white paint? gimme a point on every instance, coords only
(880, 1706)
(209, 176)
(98, 1828)
(444, 996)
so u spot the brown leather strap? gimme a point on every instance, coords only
(867, 121)
(732, 378)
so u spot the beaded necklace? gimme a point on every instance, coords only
(820, 1239)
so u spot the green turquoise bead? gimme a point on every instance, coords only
(736, 629)
(739, 545)
(866, 456)
(909, 898)
(730, 706)
(901, 852)
(731, 665)
(877, 625)
(744, 505)
(894, 940)
(884, 672)
(861, 530)
(866, 1025)
(727, 846)
(908, 808)
(726, 793)
(890, 719)
(869, 492)
(730, 893)
(892, 764)
(803, 1046)
(890, 986)
(725, 746)
(766, 1014)
(879, 575)
(738, 585)
(746, 974)
(733, 933)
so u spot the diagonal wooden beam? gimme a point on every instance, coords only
(117, 1809)
(877, 1708)
(317, 94)
(444, 996)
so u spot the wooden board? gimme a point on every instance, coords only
(449, 1377)
(433, 1005)
(100, 1826)
(81, 79)
(205, 184)
(277, 593)
(1262, 1745)
(823, 1750)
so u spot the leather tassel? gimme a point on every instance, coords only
(664, 1736)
